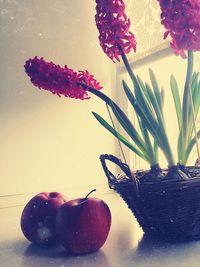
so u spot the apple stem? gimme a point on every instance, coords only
(90, 193)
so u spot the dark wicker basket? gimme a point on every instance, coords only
(167, 210)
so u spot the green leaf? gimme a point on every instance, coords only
(129, 128)
(151, 152)
(186, 100)
(195, 77)
(141, 100)
(195, 90)
(143, 87)
(183, 152)
(177, 100)
(123, 120)
(190, 147)
(180, 150)
(143, 113)
(155, 148)
(155, 88)
(196, 104)
(119, 136)
(156, 107)
(152, 125)
(162, 96)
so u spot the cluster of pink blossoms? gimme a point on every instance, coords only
(58, 80)
(113, 26)
(181, 20)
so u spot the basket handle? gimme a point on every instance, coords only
(123, 166)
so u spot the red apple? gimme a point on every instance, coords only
(83, 224)
(38, 217)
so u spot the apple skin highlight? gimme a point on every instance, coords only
(83, 225)
(38, 218)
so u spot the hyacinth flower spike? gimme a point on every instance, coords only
(113, 26)
(59, 80)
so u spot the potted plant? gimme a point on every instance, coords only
(166, 202)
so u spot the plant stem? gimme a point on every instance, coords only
(127, 65)
(194, 125)
(186, 100)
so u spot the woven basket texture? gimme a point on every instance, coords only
(166, 210)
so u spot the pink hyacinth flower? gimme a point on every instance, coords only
(113, 26)
(181, 19)
(60, 80)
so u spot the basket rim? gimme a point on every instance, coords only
(127, 183)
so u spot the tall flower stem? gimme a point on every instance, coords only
(186, 100)
(126, 64)
(194, 126)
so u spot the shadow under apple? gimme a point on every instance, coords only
(57, 256)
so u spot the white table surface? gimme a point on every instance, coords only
(126, 246)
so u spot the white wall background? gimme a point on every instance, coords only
(47, 142)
